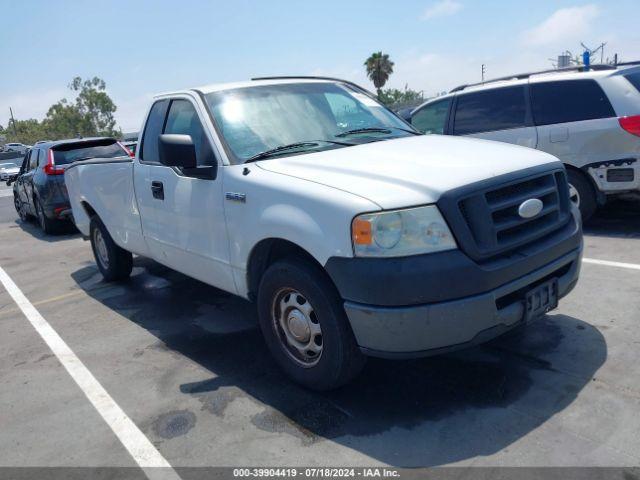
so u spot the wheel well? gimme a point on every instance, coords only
(600, 196)
(88, 209)
(265, 253)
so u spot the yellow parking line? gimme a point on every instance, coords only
(45, 301)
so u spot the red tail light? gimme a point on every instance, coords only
(129, 152)
(50, 168)
(631, 124)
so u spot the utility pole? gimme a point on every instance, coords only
(13, 120)
(483, 72)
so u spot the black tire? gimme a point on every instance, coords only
(340, 360)
(47, 225)
(114, 262)
(586, 193)
(19, 206)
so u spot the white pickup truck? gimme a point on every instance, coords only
(354, 234)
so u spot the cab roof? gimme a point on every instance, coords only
(218, 87)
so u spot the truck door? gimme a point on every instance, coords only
(147, 156)
(501, 114)
(189, 232)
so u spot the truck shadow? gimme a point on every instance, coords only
(425, 412)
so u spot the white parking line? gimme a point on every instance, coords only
(632, 266)
(136, 443)
(6, 193)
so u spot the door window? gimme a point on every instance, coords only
(497, 109)
(25, 163)
(569, 101)
(431, 118)
(33, 159)
(152, 130)
(183, 120)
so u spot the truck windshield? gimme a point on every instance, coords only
(323, 115)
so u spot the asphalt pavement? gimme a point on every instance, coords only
(187, 366)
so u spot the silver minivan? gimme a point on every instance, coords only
(588, 119)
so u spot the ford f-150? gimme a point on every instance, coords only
(354, 234)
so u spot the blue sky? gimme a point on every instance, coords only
(143, 47)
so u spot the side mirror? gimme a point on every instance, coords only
(177, 151)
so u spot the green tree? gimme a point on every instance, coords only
(90, 114)
(28, 132)
(394, 98)
(379, 68)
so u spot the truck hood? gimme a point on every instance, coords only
(408, 171)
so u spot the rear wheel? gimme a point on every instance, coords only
(305, 326)
(47, 225)
(114, 262)
(582, 194)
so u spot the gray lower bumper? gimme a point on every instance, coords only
(422, 330)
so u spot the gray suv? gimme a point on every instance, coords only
(39, 190)
(590, 120)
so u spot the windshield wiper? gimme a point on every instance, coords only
(375, 130)
(291, 146)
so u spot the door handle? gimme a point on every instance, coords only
(157, 190)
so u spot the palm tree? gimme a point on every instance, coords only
(379, 67)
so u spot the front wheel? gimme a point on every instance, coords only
(305, 327)
(20, 208)
(114, 262)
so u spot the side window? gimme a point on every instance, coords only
(569, 101)
(152, 130)
(431, 118)
(33, 159)
(42, 158)
(489, 110)
(183, 120)
(634, 79)
(25, 162)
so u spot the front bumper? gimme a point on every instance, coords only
(422, 330)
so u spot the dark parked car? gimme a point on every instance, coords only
(39, 190)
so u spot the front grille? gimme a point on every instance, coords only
(489, 223)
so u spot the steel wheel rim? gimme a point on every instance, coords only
(101, 248)
(297, 327)
(574, 195)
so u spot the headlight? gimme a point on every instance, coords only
(401, 233)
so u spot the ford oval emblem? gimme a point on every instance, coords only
(530, 208)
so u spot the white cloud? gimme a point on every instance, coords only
(443, 8)
(564, 25)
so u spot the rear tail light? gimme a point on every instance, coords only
(631, 124)
(50, 168)
(129, 152)
(59, 210)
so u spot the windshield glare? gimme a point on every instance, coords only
(255, 119)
